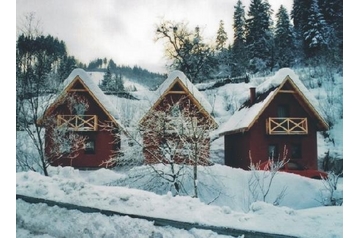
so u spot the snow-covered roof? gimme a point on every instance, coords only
(247, 114)
(177, 74)
(96, 92)
(174, 77)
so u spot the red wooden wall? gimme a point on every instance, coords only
(256, 140)
(152, 139)
(104, 146)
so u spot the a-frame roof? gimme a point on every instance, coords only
(245, 117)
(175, 78)
(79, 76)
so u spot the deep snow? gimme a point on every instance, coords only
(300, 212)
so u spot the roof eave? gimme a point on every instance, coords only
(236, 131)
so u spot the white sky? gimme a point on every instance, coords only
(124, 30)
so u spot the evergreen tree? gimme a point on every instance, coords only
(259, 39)
(112, 65)
(37, 59)
(284, 39)
(68, 63)
(221, 37)
(107, 80)
(118, 82)
(222, 55)
(315, 32)
(238, 52)
(300, 13)
(95, 64)
(332, 11)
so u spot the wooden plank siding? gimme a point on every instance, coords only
(256, 139)
(88, 125)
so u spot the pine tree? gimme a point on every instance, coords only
(284, 39)
(222, 54)
(112, 65)
(107, 80)
(315, 32)
(118, 82)
(332, 11)
(238, 51)
(299, 14)
(221, 37)
(67, 64)
(259, 39)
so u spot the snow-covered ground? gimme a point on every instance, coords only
(300, 212)
(224, 196)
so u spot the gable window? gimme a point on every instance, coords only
(283, 111)
(273, 151)
(296, 152)
(89, 146)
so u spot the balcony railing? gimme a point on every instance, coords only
(286, 126)
(78, 122)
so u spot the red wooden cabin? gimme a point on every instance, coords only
(176, 128)
(82, 111)
(279, 114)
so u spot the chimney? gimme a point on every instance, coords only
(252, 95)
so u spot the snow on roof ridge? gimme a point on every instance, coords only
(94, 88)
(244, 116)
(304, 90)
(190, 86)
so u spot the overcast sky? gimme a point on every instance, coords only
(124, 30)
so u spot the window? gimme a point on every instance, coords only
(296, 151)
(283, 111)
(89, 146)
(273, 151)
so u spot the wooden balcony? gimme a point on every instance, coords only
(286, 126)
(78, 122)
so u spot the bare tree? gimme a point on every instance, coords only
(32, 125)
(186, 49)
(39, 59)
(173, 140)
(331, 196)
(261, 179)
(177, 134)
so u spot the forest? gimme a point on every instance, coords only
(310, 35)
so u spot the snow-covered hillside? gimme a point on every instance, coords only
(128, 84)
(224, 199)
(225, 100)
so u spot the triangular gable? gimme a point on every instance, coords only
(177, 88)
(301, 97)
(79, 80)
(178, 83)
(245, 117)
(78, 85)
